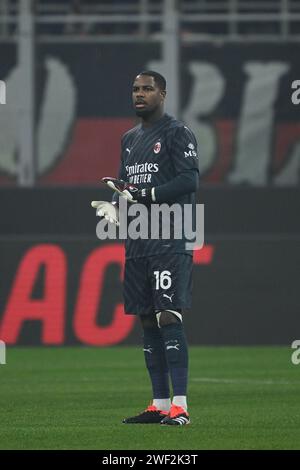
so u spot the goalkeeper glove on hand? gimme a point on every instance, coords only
(129, 191)
(107, 210)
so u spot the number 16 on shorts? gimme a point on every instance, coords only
(162, 279)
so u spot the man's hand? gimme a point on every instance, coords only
(129, 191)
(107, 210)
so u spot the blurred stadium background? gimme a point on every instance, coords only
(66, 69)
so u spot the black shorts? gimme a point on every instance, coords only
(157, 283)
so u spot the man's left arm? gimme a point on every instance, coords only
(183, 152)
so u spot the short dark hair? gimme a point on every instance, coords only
(158, 78)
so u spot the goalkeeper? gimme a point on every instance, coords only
(159, 164)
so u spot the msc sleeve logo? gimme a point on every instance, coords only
(192, 152)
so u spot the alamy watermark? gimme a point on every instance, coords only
(157, 222)
(296, 94)
(295, 358)
(2, 353)
(2, 92)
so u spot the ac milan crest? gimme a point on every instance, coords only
(157, 147)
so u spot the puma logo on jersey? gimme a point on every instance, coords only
(128, 150)
(168, 296)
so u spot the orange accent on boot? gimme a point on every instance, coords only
(176, 410)
(154, 408)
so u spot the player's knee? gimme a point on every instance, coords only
(168, 317)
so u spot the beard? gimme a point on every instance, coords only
(143, 113)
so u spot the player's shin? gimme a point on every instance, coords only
(177, 357)
(157, 367)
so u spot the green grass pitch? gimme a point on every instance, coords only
(75, 398)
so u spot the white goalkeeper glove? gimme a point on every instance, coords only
(107, 210)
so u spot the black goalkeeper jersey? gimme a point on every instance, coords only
(152, 157)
